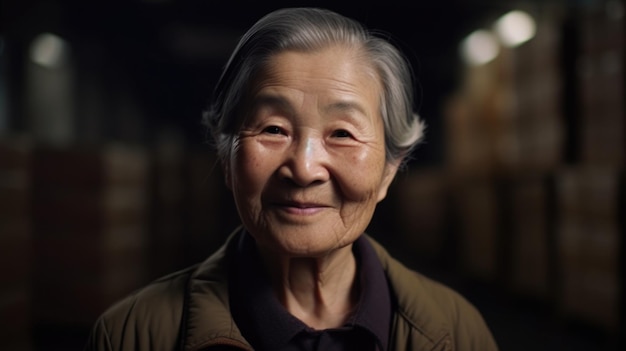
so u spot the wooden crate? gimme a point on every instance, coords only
(167, 215)
(478, 213)
(588, 244)
(16, 252)
(537, 106)
(530, 231)
(89, 208)
(210, 211)
(420, 207)
(600, 78)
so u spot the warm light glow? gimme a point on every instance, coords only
(615, 10)
(479, 48)
(48, 50)
(515, 28)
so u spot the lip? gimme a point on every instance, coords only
(300, 208)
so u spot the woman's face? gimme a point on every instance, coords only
(308, 165)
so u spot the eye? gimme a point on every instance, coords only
(341, 133)
(272, 130)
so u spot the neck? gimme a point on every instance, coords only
(320, 291)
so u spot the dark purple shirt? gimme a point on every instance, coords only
(267, 325)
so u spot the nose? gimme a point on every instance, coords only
(306, 162)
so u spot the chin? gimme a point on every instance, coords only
(299, 244)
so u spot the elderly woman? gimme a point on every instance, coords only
(312, 118)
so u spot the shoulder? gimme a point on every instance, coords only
(151, 314)
(433, 310)
(153, 317)
(159, 300)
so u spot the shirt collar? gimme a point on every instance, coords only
(266, 323)
(374, 308)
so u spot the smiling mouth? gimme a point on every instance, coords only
(300, 208)
(302, 205)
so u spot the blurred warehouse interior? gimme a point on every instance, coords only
(517, 198)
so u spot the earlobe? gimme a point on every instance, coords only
(391, 168)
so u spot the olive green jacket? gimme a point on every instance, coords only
(189, 310)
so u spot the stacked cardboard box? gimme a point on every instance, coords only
(556, 99)
(420, 202)
(166, 208)
(15, 246)
(601, 85)
(479, 150)
(209, 207)
(89, 207)
(589, 204)
(530, 231)
(588, 243)
(478, 210)
(537, 108)
(477, 122)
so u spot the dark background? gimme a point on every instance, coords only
(140, 74)
(169, 53)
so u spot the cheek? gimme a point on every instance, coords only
(248, 172)
(360, 174)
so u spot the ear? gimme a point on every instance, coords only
(391, 168)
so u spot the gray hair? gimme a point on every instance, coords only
(306, 30)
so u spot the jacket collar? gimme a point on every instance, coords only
(254, 301)
(209, 321)
(414, 303)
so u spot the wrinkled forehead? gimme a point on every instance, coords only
(334, 69)
(341, 54)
